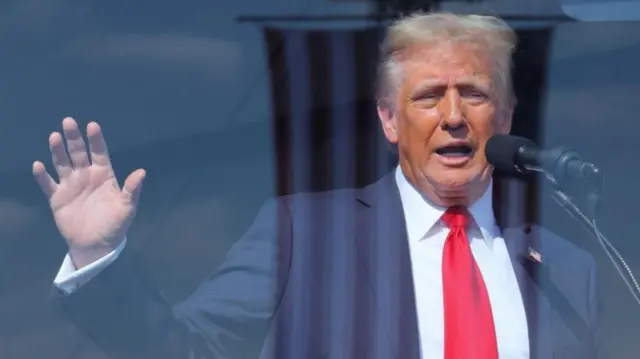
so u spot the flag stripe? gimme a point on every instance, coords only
(301, 102)
(365, 56)
(319, 166)
(297, 58)
(321, 131)
(281, 131)
(370, 161)
(343, 303)
(342, 67)
(276, 42)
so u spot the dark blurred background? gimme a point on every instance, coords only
(221, 101)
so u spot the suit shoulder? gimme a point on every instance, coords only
(562, 250)
(323, 198)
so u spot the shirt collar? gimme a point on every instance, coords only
(421, 215)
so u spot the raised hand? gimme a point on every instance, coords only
(91, 211)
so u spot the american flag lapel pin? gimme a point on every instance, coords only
(534, 255)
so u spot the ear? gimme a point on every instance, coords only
(387, 117)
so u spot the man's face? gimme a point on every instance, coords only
(447, 106)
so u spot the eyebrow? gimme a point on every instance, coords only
(464, 81)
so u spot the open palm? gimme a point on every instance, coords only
(91, 211)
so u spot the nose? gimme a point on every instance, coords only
(452, 110)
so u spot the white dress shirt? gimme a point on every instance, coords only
(426, 235)
(69, 279)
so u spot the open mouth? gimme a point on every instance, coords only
(458, 150)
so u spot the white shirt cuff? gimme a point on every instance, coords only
(69, 279)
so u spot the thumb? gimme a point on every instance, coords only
(133, 186)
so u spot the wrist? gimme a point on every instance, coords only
(83, 256)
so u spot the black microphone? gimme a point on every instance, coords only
(518, 154)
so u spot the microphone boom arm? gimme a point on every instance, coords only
(594, 175)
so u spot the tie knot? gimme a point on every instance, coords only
(456, 217)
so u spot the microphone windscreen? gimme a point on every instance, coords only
(501, 151)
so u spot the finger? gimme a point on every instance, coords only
(133, 185)
(44, 180)
(97, 145)
(59, 155)
(75, 143)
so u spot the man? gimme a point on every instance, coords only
(413, 266)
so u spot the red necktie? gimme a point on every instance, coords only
(469, 331)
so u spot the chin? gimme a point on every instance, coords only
(450, 186)
(453, 189)
(458, 183)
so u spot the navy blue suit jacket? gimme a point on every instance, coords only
(327, 275)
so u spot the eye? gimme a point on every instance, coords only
(425, 101)
(474, 95)
(428, 97)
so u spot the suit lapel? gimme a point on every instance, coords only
(524, 246)
(383, 250)
(531, 272)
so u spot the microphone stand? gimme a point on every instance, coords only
(593, 176)
(593, 200)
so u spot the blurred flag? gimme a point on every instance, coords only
(325, 124)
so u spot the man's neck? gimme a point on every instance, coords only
(421, 213)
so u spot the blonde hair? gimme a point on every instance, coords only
(490, 33)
